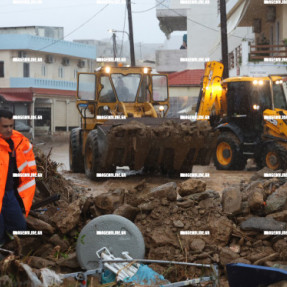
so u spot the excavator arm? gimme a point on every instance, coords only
(211, 95)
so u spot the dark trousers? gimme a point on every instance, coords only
(11, 216)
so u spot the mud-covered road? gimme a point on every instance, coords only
(217, 180)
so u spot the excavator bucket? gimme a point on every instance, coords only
(169, 146)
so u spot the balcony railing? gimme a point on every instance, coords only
(42, 83)
(261, 52)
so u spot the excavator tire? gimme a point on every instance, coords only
(93, 160)
(75, 150)
(274, 156)
(228, 155)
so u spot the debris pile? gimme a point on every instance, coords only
(51, 182)
(179, 222)
(186, 222)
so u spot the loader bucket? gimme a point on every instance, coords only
(170, 146)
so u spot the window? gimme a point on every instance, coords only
(126, 86)
(26, 70)
(277, 34)
(44, 71)
(159, 88)
(1, 69)
(46, 117)
(107, 93)
(87, 87)
(144, 95)
(279, 98)
(60, 72)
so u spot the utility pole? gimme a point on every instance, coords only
(115, 47)
(224, 41)
(131, 34)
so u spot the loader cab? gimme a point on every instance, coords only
(113, 92)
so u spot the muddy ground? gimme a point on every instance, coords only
(217, 181)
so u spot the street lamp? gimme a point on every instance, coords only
(117, 31)
(114, 38)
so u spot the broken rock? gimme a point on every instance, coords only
(204, 195)
(68, 218)
(178, 223)
(226, 256)
(231, 200)
(256, 199)
(197, 245)
(277, 201)
(262, 224)
(191, 186)
(280, 216)
(220, 230)
(127, 211)
(110, 201)
(167, 190)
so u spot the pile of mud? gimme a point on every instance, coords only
(179, 222)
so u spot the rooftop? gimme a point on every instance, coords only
(185, 78)
(26, 94)
(48, 45)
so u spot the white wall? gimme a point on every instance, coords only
(15, 69)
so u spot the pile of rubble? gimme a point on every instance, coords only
(242, 226)
(218, 229)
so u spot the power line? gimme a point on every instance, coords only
(90, 19)
(143, 11)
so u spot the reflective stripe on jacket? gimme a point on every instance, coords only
(25, 162)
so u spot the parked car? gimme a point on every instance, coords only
(24, 129)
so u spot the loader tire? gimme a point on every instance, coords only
(274, 156)
(75, 151)
(228, 155)
(92, 157)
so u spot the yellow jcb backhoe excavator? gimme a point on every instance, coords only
(251, 115)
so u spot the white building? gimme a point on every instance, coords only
(267, 53)
(38, 75)
(201, 24)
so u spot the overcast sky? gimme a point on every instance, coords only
(72, 14)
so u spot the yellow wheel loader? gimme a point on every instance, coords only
(251, 115)
(123, 123)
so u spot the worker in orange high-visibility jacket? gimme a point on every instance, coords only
(16, 158)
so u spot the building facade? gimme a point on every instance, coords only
(201, 24)
(38, 75)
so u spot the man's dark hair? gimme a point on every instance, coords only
(6, 114)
